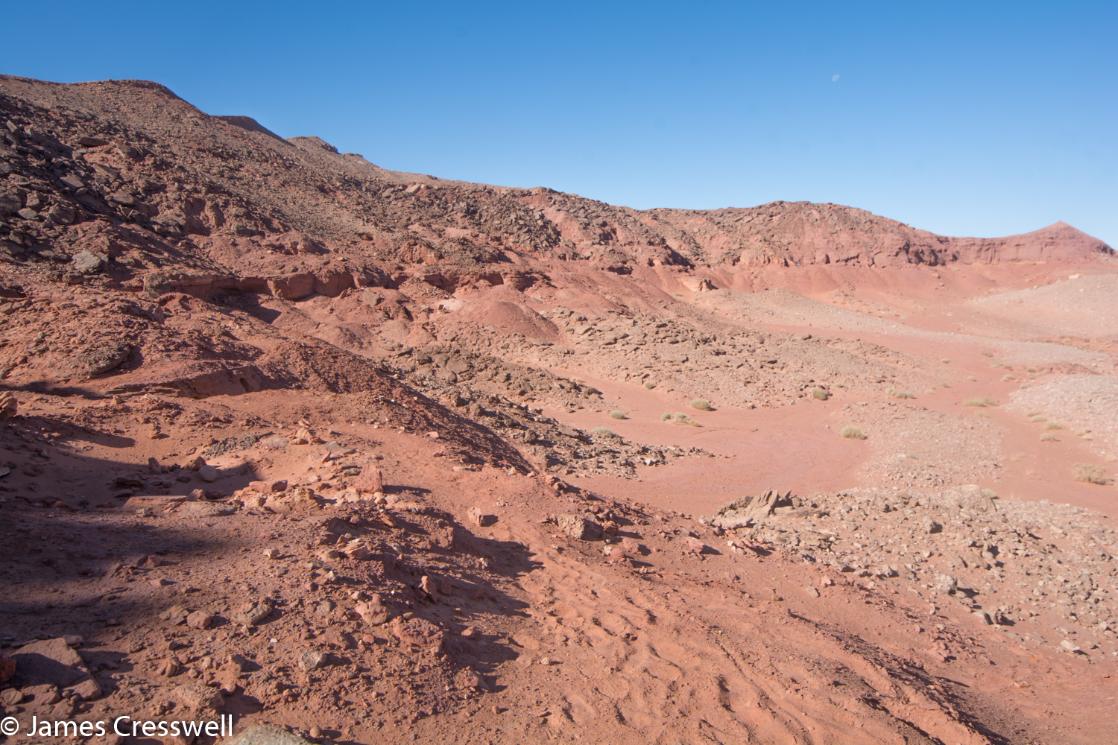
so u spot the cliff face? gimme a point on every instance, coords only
(128, 171)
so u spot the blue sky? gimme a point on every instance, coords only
(963, 118)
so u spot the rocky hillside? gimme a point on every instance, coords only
(126, 178)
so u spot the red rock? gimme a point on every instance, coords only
(419, 632)
(8, 405)
(694, 546)
(369, 480)
(54, 662)
(579, 527)
(481, 518)
(199, 619)
(373, 612)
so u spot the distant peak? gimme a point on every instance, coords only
(315, 141)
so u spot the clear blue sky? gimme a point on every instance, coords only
(978, 118)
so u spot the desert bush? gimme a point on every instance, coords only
(821, 394)
(603, 432)
(1054, 425)
(1091, 475)
(1049, 438)
(903, 394)
(701, 404)
(981, 401)
(680, 418)
(666, 416)
(853, 433)
(618, 414)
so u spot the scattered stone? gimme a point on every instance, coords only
(946, 584)
(104, 357)
(255, 612)
(267, 734)
(427, 586)
(200, 620)
(419, 632)
(1070, 647)
(8, 405)
(579, 527)
(313, 659)
(358, 550)
(370, 479)
(304, 436)
(481, 518)
(174, 615)
(696, 547)
(274, 442)
(87, 262)
(54, 662)
(170, 667)
(228, 677)
(198, 699)
(207, 509)
(373, 611)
